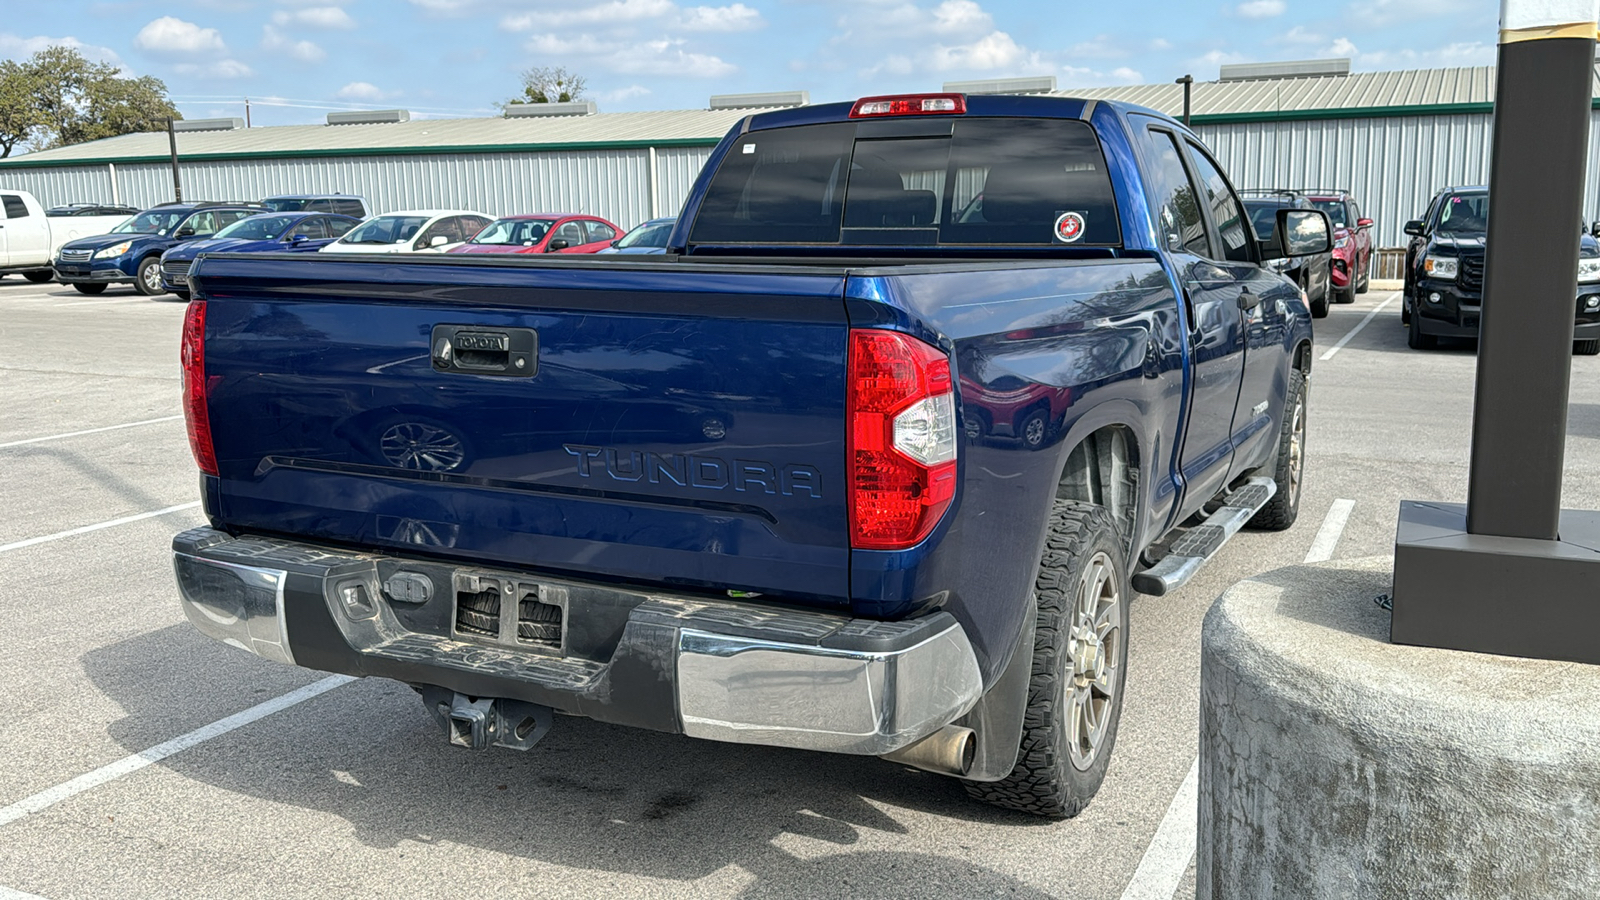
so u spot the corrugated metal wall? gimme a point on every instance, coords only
(1393, 165)
(610, 183)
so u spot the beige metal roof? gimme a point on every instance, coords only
(1415, 91)
(662, 127)
(1359, 91)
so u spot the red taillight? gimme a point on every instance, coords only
(195, 413)
(910, 105)
(902, 439)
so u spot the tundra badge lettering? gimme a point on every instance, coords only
(696, 471)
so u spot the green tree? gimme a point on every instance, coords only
(19, 114)
(58, 97)
(549, 84)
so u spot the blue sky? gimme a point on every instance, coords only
(296, 59)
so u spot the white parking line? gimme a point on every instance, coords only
(1357, 330)
(68, 434)
(1328, 535)
(130, 764)
(9, 894)
(137, 299)
(85, 529)
(1167, 858)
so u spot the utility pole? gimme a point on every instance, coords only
(1187, 81)
(1512, 572)
(172, 142)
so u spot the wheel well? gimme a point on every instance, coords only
(1103, 469)
(1302, 357)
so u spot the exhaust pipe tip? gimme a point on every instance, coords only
(948, 751)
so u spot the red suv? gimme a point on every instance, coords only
(542, 233)
(1352, 241)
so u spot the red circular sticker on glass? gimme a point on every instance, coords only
(1069, 227)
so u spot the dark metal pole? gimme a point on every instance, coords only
(1187, 81)
(1536, 186)
(172, 141)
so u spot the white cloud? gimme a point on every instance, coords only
(17, 47)
(664, 56)
(627, 93)
(1473, 53)
(222, 68)
(172, 36)
(737, 17)
(1260, 9)
(445, 7)
(365, 92)
(1342, 47)
(995, 50)
(277, 41)
(327, 17)
(1078, 76)
(1386, 12)
(1101, 46)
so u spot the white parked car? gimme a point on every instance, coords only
(29, 240)
(411, 231)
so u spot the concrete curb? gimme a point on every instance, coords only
(1336, 764)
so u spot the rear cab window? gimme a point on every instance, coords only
(15, 207)
(986, 181)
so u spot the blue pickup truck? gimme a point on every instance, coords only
(871, 461)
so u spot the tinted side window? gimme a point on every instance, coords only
(321, 204)
(352, 208)
(471, 225)
(1226, 212)
(311, 226)
(337, 227)
(15, 208)
(1177, 212)
(599, 231)
(571, 232)
(201, 223)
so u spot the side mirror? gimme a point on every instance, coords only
(1414, 228)
(298, 238)
(616, 242)
(438, 240)
(1363, 223)
(184, 233)
(556, 244)
(1303, 232)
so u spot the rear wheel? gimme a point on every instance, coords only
(39, 277)
(148, 280)
(1319, 307)
(1344, 295)
(1080, 654)
(92, 287)
(1415, 339)
(1290, 463)
(1365, 279)
(1586, 348)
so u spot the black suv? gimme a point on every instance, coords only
(1444, 273)
(1313, 273)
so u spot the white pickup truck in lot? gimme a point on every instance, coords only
(29, 239)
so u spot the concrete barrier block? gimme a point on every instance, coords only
(1336, 764)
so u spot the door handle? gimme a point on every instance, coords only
(1248, 300)
(470, 349)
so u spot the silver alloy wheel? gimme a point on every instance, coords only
(1094, 648)
(418, 445)
(152, 279)
(1297, 443)
(1033, 431)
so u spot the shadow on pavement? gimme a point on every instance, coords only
(590, 796)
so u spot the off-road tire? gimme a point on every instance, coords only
(90, 287)
(1586, 348)
(148, 279)
(39, 277)
(1046, 781)
(1415, 339)
(1288, 467)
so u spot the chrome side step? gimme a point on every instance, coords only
(1198, 544)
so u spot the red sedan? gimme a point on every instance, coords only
(542, 233)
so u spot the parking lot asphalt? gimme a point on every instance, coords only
(354, 792)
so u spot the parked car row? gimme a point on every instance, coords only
(153, 250)
(1341, 273)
